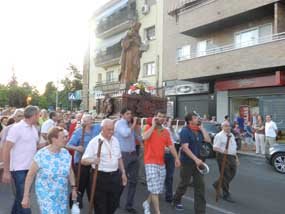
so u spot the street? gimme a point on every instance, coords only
(257, 188)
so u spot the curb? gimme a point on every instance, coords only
(249, 154)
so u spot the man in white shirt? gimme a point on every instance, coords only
(19, 150)
(271, 131)
(110, 179)
(48, 124)
(220, 142)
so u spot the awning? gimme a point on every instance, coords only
(112, 9)
(178, 5)
(102, 44)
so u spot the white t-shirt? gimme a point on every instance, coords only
(270, 129)
(25, 138)
(47, 125)
(110, 153)
(220, 142)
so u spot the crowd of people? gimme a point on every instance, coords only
(62, 149)
(258, 133)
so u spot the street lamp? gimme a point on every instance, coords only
(28, 100)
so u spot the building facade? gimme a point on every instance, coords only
(108, 26)
(236, 49)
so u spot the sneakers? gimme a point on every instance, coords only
(146, 207)
(179, 207)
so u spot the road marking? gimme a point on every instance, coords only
(221, 210)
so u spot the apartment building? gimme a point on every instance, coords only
(232, 50)
(107, 28)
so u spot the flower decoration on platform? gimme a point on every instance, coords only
(140, 89)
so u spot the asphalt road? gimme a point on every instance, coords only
(257, 188)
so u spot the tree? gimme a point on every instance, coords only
(71, 83)
(13, 82)
(50, 95)
(3, 95)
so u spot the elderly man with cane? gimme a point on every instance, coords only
(226, 148)
(111, 171)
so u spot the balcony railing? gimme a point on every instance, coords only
(115, 20)
(111, 53)
(234, 46)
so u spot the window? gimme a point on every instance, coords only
(99, 78)
(149, 69)
(183, 53)
(253, 36)
(202, 47)
(150, 2)
(150, 33)
(246, 38)
(110, 76)
(265, 33)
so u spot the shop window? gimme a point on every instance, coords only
(149, 69)
(244, 107)
(150, 33)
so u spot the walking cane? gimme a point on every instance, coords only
(222, 170)
(77, 177)
(79, 163)
(95, 173)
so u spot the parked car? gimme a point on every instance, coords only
(212, 129)
(276, 157)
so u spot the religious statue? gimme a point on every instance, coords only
(131, 54)
(108, 106)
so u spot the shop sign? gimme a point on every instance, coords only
(190, 88)
(277, 79)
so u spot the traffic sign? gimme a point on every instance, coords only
(71, 96)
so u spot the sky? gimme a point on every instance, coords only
(39, 38)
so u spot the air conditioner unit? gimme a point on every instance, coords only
(145, 9)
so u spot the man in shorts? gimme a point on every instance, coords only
(156, 139)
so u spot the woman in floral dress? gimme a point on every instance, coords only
(52, 167)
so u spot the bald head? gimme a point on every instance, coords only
(107, 128)
(226, 126)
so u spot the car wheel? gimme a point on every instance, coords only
(278, 162)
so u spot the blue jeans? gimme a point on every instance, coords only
(19, 180)
(170, 166)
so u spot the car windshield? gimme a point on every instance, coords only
(211, 127)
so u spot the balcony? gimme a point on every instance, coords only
(264, 53)
(118, 21)
(110, 87)
(220, 14)
(108, 57)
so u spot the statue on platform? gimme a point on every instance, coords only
(131, 54)
(107, 106)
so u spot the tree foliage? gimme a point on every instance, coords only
(16, 95)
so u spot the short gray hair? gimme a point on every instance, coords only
(106, 122)
(86, 117)
(31, 111)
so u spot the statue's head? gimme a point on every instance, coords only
(136, 26)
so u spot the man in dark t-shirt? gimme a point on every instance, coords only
(191, 138)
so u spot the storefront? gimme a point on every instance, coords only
(184, 97)
(250, 96)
